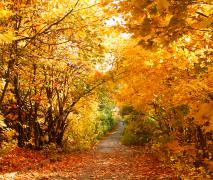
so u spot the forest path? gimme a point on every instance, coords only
(108, 160)
(112, 160)
(111, 142)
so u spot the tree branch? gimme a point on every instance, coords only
(42, 30)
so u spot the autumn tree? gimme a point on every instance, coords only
(169, 60)
(49, 50)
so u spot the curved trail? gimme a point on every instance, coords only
(112, 141)
(108, 160)
(112, 160)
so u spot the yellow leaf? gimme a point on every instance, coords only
(206, 23)
(205, 116)
(7, 37)
(163, 4)
(5, 14)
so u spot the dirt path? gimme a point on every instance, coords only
(108, 160)
(112, 160)
(111, 142)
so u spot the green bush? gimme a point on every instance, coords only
(139, 135)
(139, 128)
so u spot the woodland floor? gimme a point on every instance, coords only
(108, 160)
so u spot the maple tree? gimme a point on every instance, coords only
(49, 51)
(169, 59)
